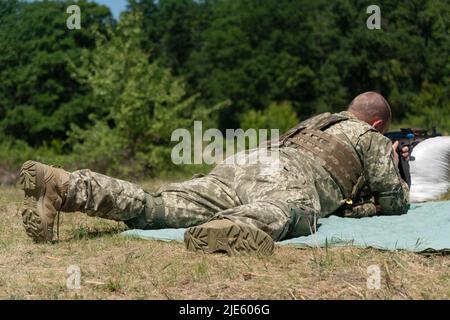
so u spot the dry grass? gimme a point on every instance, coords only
(446, 196)
(114, 267)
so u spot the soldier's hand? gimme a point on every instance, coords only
(361, 210)
(404, 152)
(395, 147)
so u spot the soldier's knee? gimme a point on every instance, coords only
(152, 216)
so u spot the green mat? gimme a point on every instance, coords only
(426, 227)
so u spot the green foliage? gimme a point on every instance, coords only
(172, 28)
(318, 54)
(140, 102)
(15, 152)
(38, 96)
(98, 147)
(431, 108)
(108, 96)
(277, 116)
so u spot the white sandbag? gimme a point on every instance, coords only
(430, 169)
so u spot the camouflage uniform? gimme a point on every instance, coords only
(284, 203)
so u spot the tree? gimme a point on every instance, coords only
(279, 116)
(39, 97)
(317, 55)
(431, 108)
(137, 103)
(172, 29)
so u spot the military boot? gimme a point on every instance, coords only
(45, 188)
(224, 235)
(49, 190)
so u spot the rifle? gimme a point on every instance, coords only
(409, 137)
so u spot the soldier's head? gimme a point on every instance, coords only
(372, 107)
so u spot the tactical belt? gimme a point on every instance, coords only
(334, 155)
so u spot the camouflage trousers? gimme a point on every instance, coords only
(283, 203)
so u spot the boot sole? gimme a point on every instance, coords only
(31, 178)
(234, 240)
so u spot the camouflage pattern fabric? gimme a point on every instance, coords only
(281, 203)
(101, 196)
(284, 203)
(383, 183)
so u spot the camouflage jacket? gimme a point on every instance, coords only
(382, 184)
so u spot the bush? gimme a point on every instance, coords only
(277, 116)
(139, 104)
(431, 108)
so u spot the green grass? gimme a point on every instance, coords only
(114, 267)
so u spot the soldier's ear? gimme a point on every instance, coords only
(378, 124)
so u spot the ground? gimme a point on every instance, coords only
(115, 267)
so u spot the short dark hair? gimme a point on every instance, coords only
(370, 105)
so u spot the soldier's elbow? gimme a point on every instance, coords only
(393, 202)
